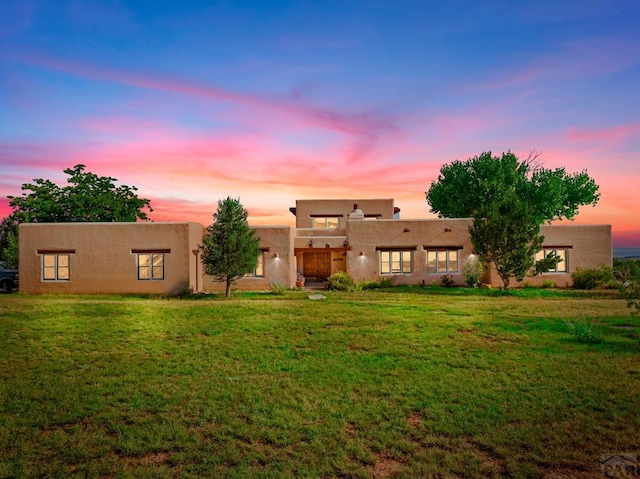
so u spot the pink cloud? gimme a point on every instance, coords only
(185, 173)
(175, 209)
(610, 136)
(370, 125)
(201, 169)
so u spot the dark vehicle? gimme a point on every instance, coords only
(8, 278)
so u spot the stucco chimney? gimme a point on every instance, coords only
(356, 214)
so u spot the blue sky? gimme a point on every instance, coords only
(273, 101)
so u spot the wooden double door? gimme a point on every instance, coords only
(316, 266)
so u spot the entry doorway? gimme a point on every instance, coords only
(316, 266)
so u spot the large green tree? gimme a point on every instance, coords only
(230, 247)
(87, 198)
(509, 199)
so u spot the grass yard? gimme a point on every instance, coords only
(400, 383)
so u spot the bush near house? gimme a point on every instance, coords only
(584, 278)
(447, 281)
(473, 270)
(341, 281)
(278, 289)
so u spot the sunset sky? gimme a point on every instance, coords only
(271, 101)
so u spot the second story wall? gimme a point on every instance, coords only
(334, 213)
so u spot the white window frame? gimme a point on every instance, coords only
(61, 272)
(386, 259)
(562, 267)
(443, 255)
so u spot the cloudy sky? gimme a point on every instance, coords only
(277, 100)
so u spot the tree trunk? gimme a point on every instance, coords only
(505, 280)
(228, 290)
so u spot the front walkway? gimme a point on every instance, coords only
(314, 286)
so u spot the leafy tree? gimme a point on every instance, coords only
(87, 198)
(9, 241)
(508, 200)
(230, 248)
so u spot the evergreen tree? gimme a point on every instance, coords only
(230, 247)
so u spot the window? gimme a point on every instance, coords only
(55, 267)
(325, 223)
(562, 253)
(150, 266)
(259, 271)
(442, 260)
(396, 262)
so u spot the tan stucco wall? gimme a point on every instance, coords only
(306, 208)
(589, 246)
(338, 262)
(274, 240)
(103, 261)
(366, 236)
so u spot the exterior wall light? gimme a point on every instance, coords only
(310, 243)
(275, 255)
(361, 253)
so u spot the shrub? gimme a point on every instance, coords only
(447, 281)
(384, 282)
(548, 283)
(625, 270)
(364, 285)
(585, 331)
(611, 284)
(278, 289)
(584, 278)
(341, 281)
(472, 273)
(631, 292)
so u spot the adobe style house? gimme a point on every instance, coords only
(363, 237)
(367, 239)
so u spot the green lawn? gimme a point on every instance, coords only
(401, 383)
